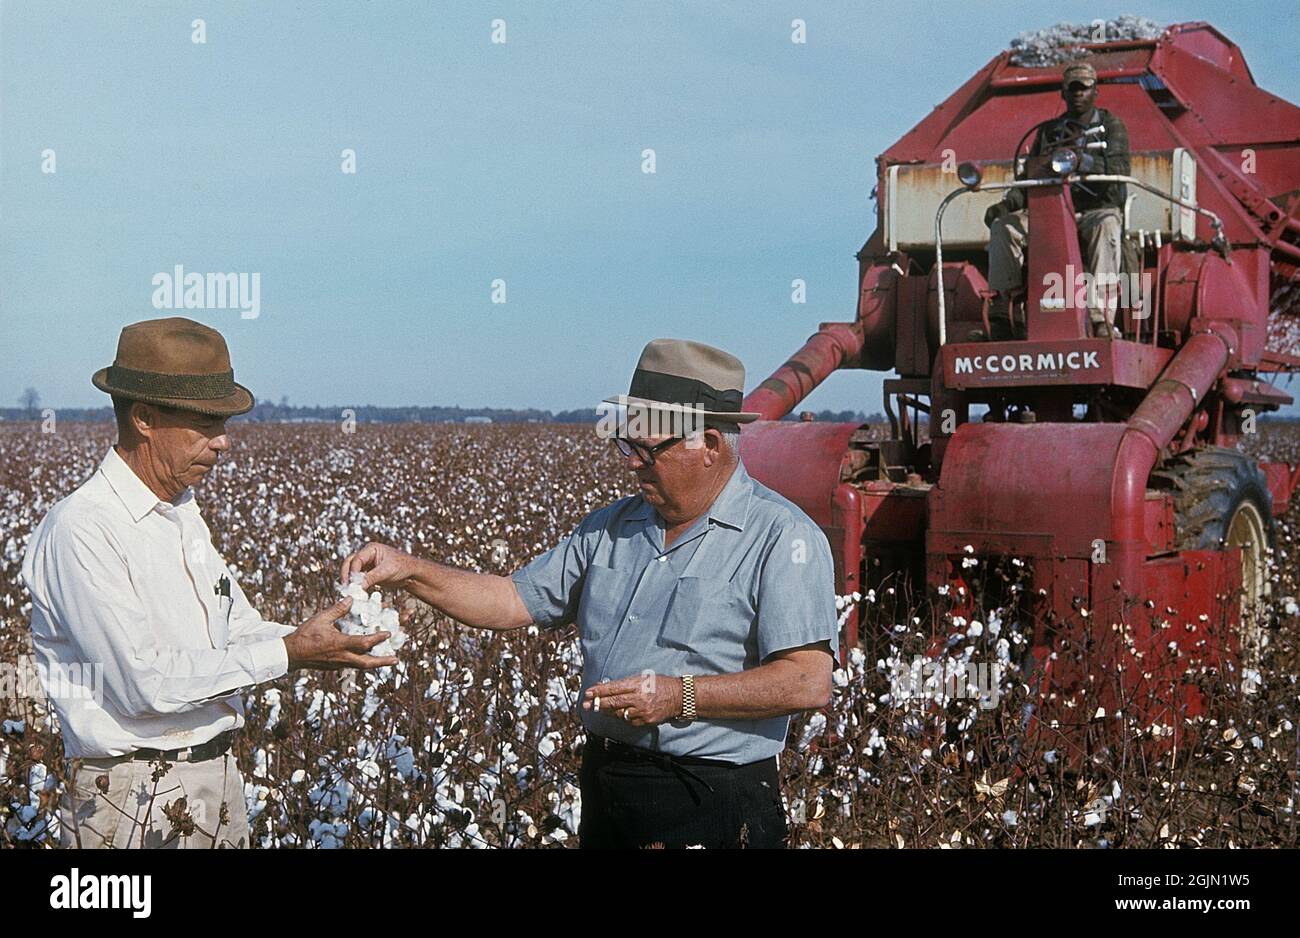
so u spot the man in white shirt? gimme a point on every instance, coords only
(144, 640)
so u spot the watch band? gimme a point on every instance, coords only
(688, 697)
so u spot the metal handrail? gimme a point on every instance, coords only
(1215, 221)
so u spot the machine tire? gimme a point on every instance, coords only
(1222, 499)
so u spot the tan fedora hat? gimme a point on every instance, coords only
(178, 363)
(680, 376)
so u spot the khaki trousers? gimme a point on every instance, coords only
(137, 811)
(1099, 235)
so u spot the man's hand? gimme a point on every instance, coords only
(319, 644)
(644, 700)
(382, 565)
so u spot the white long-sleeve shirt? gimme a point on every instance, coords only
(134, 644)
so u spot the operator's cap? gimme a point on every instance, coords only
(1082, 73)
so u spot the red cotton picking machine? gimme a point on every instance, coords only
(1106, 469)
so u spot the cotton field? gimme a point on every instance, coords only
(473, 740)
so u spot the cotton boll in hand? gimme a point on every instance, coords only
(368, 616)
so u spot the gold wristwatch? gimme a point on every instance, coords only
(688, 697)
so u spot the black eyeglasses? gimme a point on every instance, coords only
(644, 453)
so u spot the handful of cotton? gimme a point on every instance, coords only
(368, 616)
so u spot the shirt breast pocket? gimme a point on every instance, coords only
(711, 621)
(603, 597)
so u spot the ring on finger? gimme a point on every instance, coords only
(596, 705)
(626, 711)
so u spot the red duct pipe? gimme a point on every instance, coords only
(829, 348)
(1164, 411)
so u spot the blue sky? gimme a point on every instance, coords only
(475, 161)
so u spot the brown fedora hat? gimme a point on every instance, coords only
(178, 363)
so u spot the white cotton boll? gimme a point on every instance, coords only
(403, 758)
(549, 743)
(322, 708)
(271, 698)
(815, 726)
(368, 616)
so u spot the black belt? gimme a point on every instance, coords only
(628, 753)
(217, 746)
(672, 763)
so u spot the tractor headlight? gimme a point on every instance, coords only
(1064, 162)
(969, 175)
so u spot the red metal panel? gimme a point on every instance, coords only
(1076, 363)
(1160, 533)
(1037, 479)
(1053, 250)
(879, 284)
(1226, 109)
(1203, 40)
(802, 461)
(1282, 480)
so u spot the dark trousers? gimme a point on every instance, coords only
(636, 799)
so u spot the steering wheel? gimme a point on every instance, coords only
(1065, 133)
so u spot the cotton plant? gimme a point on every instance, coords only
(29, 822)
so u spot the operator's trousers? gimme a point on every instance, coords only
(631, 802)
(1099, 236)
(132, 812)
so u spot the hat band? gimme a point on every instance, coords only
(688, 392)
(182, 387)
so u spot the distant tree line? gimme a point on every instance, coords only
(283, 412)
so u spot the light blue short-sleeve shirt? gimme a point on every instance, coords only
(751, 577)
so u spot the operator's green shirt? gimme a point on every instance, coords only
(1112, 160)
(752, 576)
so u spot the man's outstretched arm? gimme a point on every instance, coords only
(482, 600)
(790, 681)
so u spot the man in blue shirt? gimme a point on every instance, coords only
(705, 609)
